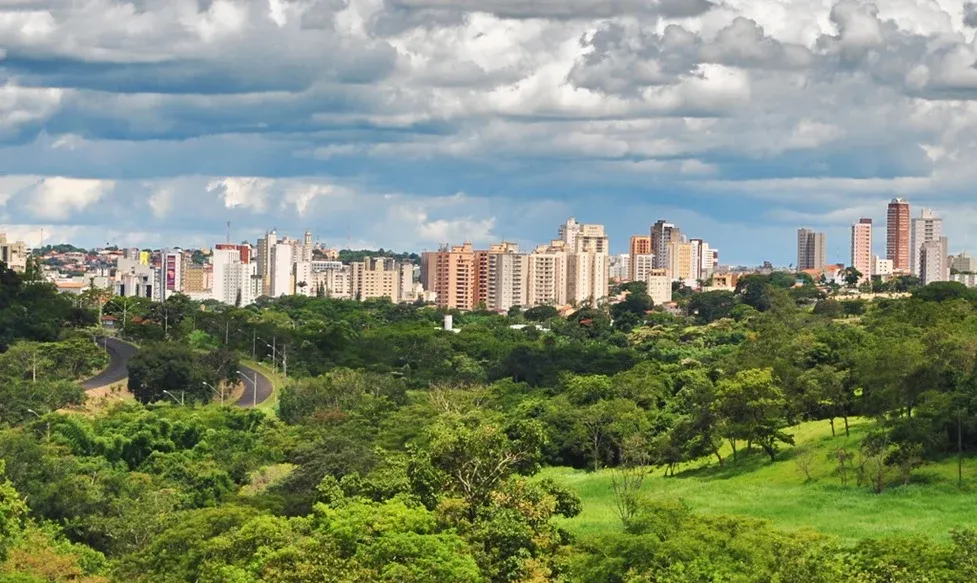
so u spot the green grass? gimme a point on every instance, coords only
(779, 492)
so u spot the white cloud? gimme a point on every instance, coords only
(57, 198)
(245, 192)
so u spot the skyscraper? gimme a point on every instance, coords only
(810, 249)
(588, 266)
(861, 247)
(897, 239)
(640, 245)
(928, 227)
(265, 246)
(663, 234)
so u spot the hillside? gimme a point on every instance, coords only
(779, 492)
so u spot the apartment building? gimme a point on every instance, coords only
(281, 270)
(197, 278)
(861, 248)
(508, 275)
(640, 246)
(811, 249)
(898, 235)
(588, 266)
(332, 279)
(265, 249)
(235, 282)
(682, 264)
(934, 262)
(659, 286)
(13, 254)
(641, 265)
(451, 273)
(378, 277)
(928, 227)
(546, 282)
(663, 234)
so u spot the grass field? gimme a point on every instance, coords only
(932, 504)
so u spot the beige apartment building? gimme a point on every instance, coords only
(682, 260)
(659, 286)
(378, 277)
(198, 278)
(861, 248)
(588, 266)
(546, 283)
(502, 282)
(452, 273)
(13, 254)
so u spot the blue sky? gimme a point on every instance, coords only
(407, 123)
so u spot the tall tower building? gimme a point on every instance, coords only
(588, 266)
(897, 241)
(640, 246)
(263, 263)
(811, 247)
(451, 273)
(928, 227)
(568, 232)
(663, 234)
(861, 247)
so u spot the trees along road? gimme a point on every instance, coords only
(120, 353)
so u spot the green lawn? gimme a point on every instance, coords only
(780, 493)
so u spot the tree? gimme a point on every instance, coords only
(752, 408)
(541, 313)
(628, 477)
(710, 306)
(175, 369)
(852, 277)
(12, 510)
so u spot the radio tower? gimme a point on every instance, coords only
(228, 232)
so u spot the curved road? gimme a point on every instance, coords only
(120, 353)
(263, 389)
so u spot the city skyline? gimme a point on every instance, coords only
(452, 120)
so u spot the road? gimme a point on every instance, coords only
(264, 388)
(120, 353)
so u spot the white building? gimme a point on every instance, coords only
(934, 263)
(883, 267)
(928, 227)
(642, 265)
(332, 279)
(547, 278)
(588, 266)
(508, 275)
(620, 269)
(133, 279)
(280, 270)
(964, 263)
(235, 282)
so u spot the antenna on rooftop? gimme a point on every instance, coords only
(228, 232)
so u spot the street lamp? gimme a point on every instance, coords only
(221, 392)
(254, 387)
(180, 400)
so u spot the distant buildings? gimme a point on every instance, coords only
(934, 263)
(659, 286)
(964, 263)
(811, 249)
(639, 249)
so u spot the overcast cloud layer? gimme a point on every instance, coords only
(405, 123)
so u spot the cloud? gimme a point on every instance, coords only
(56, 198)
(365, 118)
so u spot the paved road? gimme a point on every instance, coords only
(120, 353)
(264, 388)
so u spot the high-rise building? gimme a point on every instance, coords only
(934, 262)
(640, 246)
(662, 234)
(197, 278)
(451, 273)
(13, 254)
(133, 279)
(265, 246)
(811, 249)
(883, 268)
(234, 281)
(861, 247)
(280, 270)
(588, 266)
(705, 259)
(547, 279)
(508, 275)
(964, 263)
(928, 227)
(170, 275)
(682, 260)
(659, 286)
(897, 241)
(620, 269)
(568, 232)
(642, 265)
(378, 277)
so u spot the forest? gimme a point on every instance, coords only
(398, 451)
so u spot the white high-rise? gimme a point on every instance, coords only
(233, 281)
(547, 275)
(928, 227)
(265, 246)
(934, 262)
(588, 266)
(280, 270)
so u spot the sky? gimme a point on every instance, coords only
(405, 124)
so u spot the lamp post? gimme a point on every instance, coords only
(220, 393)
(180, 400)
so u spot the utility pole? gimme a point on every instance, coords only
(227, 330)
(285, 362)
(254, 344)
(274, 354)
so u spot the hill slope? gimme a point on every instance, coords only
(779, 492)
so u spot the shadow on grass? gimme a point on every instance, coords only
(746, 462)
